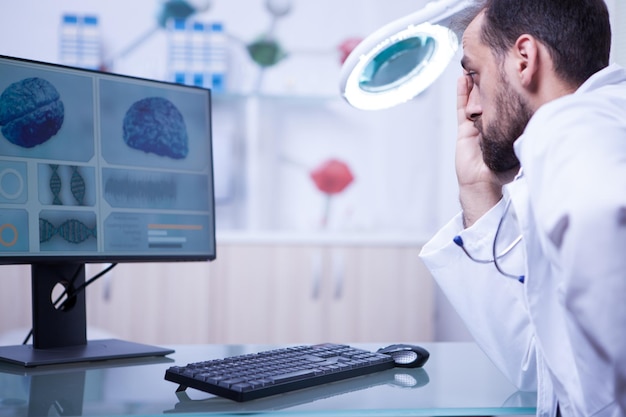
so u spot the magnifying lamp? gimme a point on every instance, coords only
(401, 59)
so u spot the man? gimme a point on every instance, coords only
(539, 102)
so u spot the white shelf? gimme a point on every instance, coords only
(295, 97)
(321, 238)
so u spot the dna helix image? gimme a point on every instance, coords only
(77, 185)
(71, 230)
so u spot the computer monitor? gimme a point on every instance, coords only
(97, 168)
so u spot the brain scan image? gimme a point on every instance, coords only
(155, 125)
(31, 112)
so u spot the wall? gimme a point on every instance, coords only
(617, 9)
(264, 154)
(405, 155)
(296, 114)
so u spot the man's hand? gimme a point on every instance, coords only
(479, 187)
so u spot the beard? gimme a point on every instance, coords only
(511, 117)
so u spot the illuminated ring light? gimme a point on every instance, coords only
(364, 88)
(20, 188)
(402, 58)
(5, 243)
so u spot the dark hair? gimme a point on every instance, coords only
(577, 33)
(461, 20)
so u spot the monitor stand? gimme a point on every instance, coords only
(60, 334)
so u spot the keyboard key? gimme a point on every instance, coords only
(291, 376)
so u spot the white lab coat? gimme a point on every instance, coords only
(563, 331)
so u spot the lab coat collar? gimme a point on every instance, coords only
(613, 74)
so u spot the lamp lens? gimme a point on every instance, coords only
(399, 61)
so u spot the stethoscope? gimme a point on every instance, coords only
(458, 240)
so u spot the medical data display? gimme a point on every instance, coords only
(99, 166)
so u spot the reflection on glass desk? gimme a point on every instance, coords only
(458, 379)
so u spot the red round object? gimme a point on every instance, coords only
(332, 176)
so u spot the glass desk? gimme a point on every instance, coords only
(458, 379)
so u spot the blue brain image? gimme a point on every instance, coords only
(155, 125)
(31, 112)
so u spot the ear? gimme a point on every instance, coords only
(527, 60)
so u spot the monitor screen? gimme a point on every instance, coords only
(102, 167)
(99, 167)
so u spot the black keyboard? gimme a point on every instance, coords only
(257, 375)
